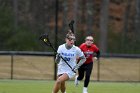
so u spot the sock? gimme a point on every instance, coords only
(84, 89)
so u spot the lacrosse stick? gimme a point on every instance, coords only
(71, 26)
(45, 39)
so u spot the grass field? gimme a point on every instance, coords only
(34, 69)
(37, 86)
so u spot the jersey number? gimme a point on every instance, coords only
(67, 59)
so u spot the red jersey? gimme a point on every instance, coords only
(89, 51)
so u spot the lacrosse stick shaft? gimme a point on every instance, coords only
(60, 56)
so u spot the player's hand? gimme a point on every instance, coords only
(97, 59)
(57, 59)
(75, 68)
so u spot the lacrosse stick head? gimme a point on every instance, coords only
(44, 38)
(71, 25)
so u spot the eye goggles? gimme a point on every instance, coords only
(89, 40)
(70, 39)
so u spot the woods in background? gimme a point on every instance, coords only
(114, 23)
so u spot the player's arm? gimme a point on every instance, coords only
(81, 55)
(98, 54)
(57, 58)
(82, 59)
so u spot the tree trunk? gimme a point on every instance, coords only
(89, 17)
(15, 4)
(126, 24)
(65, 14)
(104, 25)
(75, 11)
(137, 24)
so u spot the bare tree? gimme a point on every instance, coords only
(104, 25)
(15, 4)
(89, 19)
(75, 4)
(137, 17)
(137, 23)
(125, 22)
(65, 14)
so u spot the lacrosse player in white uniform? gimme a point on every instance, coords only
(69, 52)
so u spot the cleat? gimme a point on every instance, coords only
(76, 81)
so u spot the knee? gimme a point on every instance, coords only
(80, 77)
(58, 81)
(87, 77)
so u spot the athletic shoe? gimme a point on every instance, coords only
(85, 90)
(76, 81)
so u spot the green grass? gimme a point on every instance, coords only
(37, 86)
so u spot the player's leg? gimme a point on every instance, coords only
(87, 76)
(80, 75)
(81, 71)
(63, 87)
(58, 82)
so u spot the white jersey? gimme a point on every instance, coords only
(70, 56)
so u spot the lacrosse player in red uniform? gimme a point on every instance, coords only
(89, 50)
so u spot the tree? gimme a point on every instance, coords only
(137, 24)
(89, 17)
(104, 25)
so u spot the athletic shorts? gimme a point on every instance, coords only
(70, 73)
